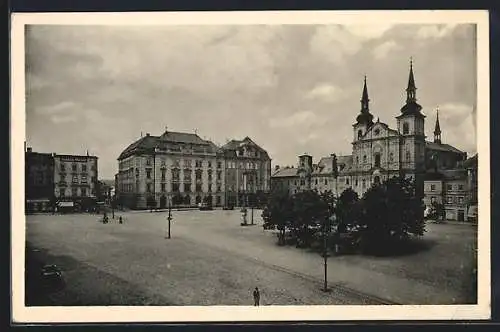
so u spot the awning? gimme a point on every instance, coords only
(40, 200)
(66, 204)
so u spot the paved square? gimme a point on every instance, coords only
(212, 260)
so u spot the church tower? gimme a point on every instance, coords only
(364, 120)
(437, 129)
(412, 135)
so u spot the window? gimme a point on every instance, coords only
(302, 182)
(449, 187)
(63, 167)
(391, 157)
(73, 167)
(316, 181)
(148, 174)
(433, 187)
(364, 159)
(84, 168)
(449, 200)
(148, 161)
(377, 160)
(163, 175)
(75, 179)
(218, 200)
(198, 187)
(347, 181)
(162, 187)
(360, 134)
(74, 192)
(460, 200)
(209, 175)
(408, 156)
(176, 175)
(84, 192)
(219, 188)
(295, 182)
(187, 175)
(406, 128)
(175, 187)
(219, 175)
(356, 182)
(326, 182)
(84, 179)
(62, 192)
(209, 188)
(357, 160)
(460, 187)
(209, 164)
(219, 164)
(377, 132)
(198, 174)
(187, 187)
(199, 163)
(433, 199)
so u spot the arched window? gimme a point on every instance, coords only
(376, 180)
(377, 159)
(360, 133)
(391, 156)
(406, 128)
(408, 156)
(364, 183)
(364, 158)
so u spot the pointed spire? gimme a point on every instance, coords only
(437, 129)
(411, 89)
(364, 99)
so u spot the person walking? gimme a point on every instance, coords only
(256, 297)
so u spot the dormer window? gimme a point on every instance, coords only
(377, 132)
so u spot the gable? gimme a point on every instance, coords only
(379, 130)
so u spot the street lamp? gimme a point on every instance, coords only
(155, 151)
(169, 217)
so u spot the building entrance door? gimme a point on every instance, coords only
(461, 215)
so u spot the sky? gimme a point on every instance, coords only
(293, 89)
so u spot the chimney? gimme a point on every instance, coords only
(276, 167)
(147, 134)
(29, 149)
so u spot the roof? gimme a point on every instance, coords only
(442, 147)
(230, 147)
(344, 164)
(285, 172)
(446, 175)
(471, 162)
(178, 137)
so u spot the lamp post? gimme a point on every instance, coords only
(155, 151)
(169, 217)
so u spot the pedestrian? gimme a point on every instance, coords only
(256, 297)
(120, 220)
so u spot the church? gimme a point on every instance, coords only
(378, 153)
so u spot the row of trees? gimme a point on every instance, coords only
(386, 214)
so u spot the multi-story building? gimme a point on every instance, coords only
(247, 171)
(39, 181)
(75, 178)
(379, 153)
(183, 169)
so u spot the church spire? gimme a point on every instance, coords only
(365, 116)
(411, 90)
(364, 99)
(437, 129)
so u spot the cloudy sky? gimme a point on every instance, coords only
(292, 89)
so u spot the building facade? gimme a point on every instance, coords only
(39, 181)
(75, 178)
(380, 152)
(181, 169)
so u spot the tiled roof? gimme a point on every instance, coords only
(344, 164)
(285, 172)
(454, 174)
(178, 137)
(441, 147)
(233, 145)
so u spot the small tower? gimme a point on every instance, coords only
(364, 120)
(437, 129)
(305, 170)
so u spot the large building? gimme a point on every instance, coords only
(67, 181)
(75, 178)
(39, 181)
(184, 169)
(380, 152)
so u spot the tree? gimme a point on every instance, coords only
(278, 213)
(310, 211)
(390, 212)
(346, 210)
